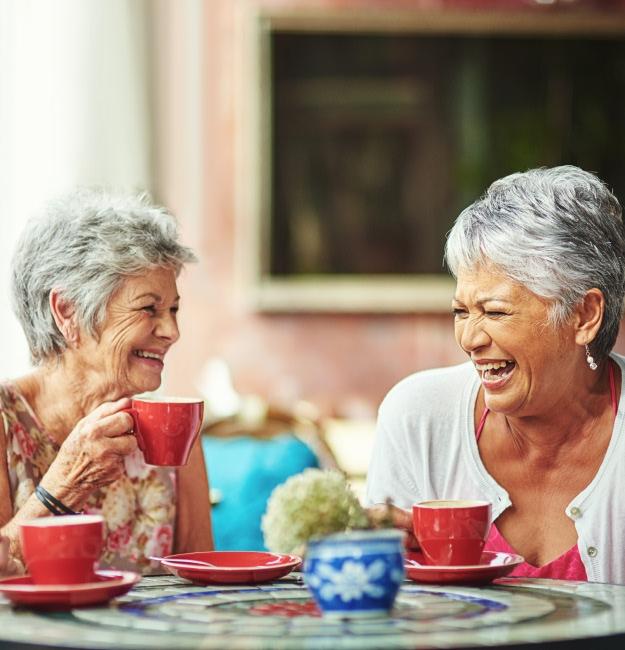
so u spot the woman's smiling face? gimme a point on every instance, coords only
(521, 358)
(140, 326)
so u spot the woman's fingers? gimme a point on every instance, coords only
(105, 421)
(388, 515)
(4, 554)
(109, 408)
(8, 564)
(411, 542)
(114, 433)
(118, 424)
(98, 441)
(401, 518)
(385, 515)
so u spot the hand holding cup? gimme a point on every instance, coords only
(381, 516)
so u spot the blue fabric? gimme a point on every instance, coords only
(246, 470)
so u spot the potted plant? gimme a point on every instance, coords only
(352, 566)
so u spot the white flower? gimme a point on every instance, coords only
(315, 502)
(353, 581)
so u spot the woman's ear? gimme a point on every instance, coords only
(64, 315)
(589, 316)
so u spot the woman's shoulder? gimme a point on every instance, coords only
(8, 394)
(437, 386)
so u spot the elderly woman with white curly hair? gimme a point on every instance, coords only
(534, 422)
(94, 286)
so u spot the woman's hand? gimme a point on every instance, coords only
(9, 565)
(92, 456)
(397, 517)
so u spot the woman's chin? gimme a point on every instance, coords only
(147, 384)
(505, 404)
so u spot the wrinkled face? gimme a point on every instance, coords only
(139, 328)
(523, 361)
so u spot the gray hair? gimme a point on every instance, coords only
(557, 231)
(86, 245)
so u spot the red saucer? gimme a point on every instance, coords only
(108, 584)
(492, 565)
(232, 567)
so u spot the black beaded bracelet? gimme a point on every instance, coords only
(55, 506)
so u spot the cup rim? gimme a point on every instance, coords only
(455, 504)
(63, 520)
(167, 399)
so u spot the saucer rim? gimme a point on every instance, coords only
(116, 579)
(293, 560)
(515, 558)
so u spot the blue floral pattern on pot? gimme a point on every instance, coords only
(355, 574)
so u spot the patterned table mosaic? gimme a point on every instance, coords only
(165, 612)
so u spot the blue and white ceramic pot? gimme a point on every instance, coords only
(357, 573)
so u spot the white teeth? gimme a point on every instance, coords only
(149, 355)
(492, 366)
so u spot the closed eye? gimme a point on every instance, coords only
(457, 312)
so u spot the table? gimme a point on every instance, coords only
(166, 612)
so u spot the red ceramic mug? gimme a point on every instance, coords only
(166, 428)
(451, 532)
(62, 550)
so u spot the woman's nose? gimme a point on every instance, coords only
(472, 335)
(167, 327)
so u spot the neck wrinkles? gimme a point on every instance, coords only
(61, 396)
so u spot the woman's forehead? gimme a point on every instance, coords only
(484, 283)
(159, 284)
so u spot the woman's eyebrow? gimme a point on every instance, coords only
(481, 300)
(148, 295)
(493, 299)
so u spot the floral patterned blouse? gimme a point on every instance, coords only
(139, 508)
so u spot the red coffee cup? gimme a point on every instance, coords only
(451, 532)
(62, 550)
(166, 428)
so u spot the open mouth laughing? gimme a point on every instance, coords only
(151, 357)
(494, 372)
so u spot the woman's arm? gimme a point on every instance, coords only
(9, 563)
(91, 457)
(193, 513)
(6, 503)
(10, 548)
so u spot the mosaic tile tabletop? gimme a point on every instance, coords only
(166, 612)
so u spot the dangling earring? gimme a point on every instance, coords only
(589, 360)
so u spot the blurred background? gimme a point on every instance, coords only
(315, 153)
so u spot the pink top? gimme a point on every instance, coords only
(569, 565)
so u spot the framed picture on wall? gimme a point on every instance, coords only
(367, 137)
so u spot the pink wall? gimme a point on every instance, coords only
(343, 363)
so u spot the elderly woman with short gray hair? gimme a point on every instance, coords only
(534, 422)
(94, 287)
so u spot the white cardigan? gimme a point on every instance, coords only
(425, 448)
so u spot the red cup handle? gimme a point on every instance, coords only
(135, 427)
